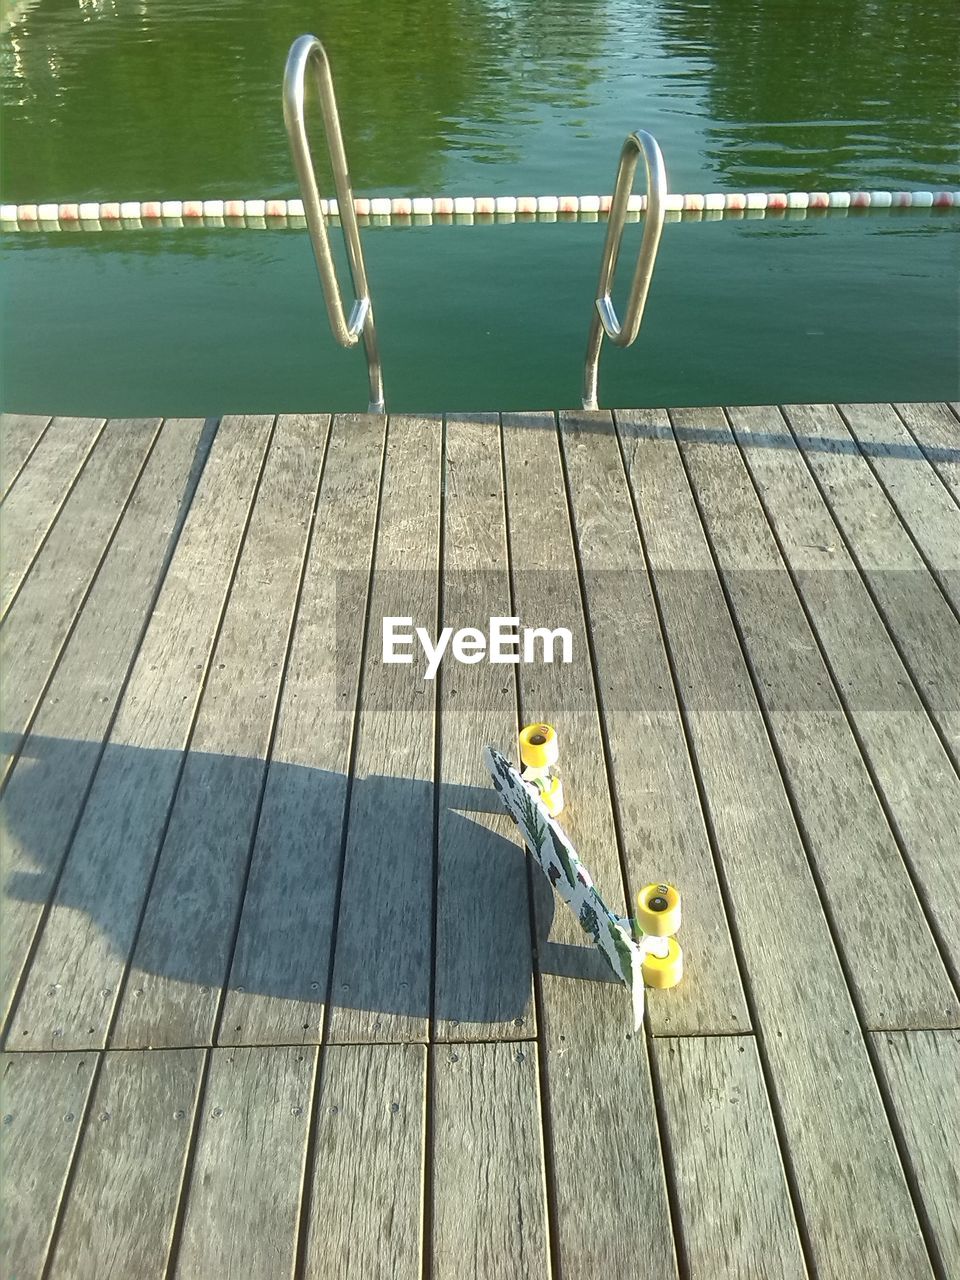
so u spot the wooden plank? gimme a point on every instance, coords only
(610, 1194)
(243, 1200)
(37, 625)
(278, 982)
(735, 1212)
(42, 1100)
(661, 821)
(915, 778)
(33, 506)
(19, 435)
(872, 901)
(922, 1070)
(914, 488)
(484, 966)
(366, 1194)
(47, 789)
(922, 623)
(489, 1190)
(382, 961)
(93, 922)
(854, 1199)
(119, 1217)
(182, 956)
(937, 432)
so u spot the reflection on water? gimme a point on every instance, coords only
(209, 322)
(173, 95)
(182, 96)
(133, 99)
(861, 93)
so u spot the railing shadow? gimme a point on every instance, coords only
(593, 421)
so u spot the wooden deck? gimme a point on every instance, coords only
(281, 995)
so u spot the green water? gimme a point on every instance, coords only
(135, 99)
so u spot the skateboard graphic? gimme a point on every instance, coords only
(637, 951)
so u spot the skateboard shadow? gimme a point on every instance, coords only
(256, 877)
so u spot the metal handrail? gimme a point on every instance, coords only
(605, 319)
(304, 51)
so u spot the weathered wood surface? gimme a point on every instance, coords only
(20, 433)
(923, 502)
(489, 1196)
(611, 1201)
(384, 935)
(242, 1210)
(37, 625)
(185, 944)
(42, 1100)
(921, 622)
(72, 986)
(120, 1216)
(735, 1211)
(762, 705)
(28, 514)
(810, 1033)
(484, 966)
(865, 882)
(922, 1070)
(937, 432)
(45, 793)
(278, 982)
(661, 820)
(914, 776)
(366, 1191)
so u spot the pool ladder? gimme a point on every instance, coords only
(604, 319)
(304, 52)
(308, 51)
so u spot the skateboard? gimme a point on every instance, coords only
(637, 951)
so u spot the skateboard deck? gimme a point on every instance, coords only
(558, 860)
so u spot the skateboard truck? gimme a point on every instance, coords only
(639, 951)
(657, 920)
(539, 753)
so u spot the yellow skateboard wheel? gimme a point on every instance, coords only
(663, 972)
(552, 796)
(658, 910)
(539, 747)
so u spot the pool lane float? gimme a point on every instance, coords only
(259, 212)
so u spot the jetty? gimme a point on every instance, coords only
(283, 995)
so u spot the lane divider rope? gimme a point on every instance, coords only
(407, 210)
